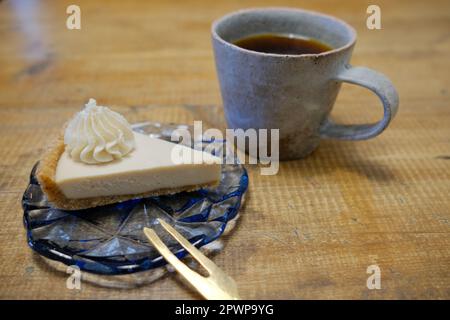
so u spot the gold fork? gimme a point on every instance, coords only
(216, 286)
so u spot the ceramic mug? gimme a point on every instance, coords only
(293, 93)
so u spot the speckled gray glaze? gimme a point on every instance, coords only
(294, 93)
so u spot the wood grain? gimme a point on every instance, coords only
(310, 231)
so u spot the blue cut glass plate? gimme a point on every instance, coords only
(109, 239)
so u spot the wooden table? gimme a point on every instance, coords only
(309, 232)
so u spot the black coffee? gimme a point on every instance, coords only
(282, 44)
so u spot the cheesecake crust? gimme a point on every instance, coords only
(46, 176)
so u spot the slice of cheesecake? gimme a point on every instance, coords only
(153, 167)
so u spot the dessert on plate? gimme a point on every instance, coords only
(99, 160)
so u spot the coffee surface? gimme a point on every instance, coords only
(282, 44)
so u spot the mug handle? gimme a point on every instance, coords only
(384, 89)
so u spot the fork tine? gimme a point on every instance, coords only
(206, 286)
(168, 255)
(195, 253)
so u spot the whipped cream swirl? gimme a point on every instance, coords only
(98, 135)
